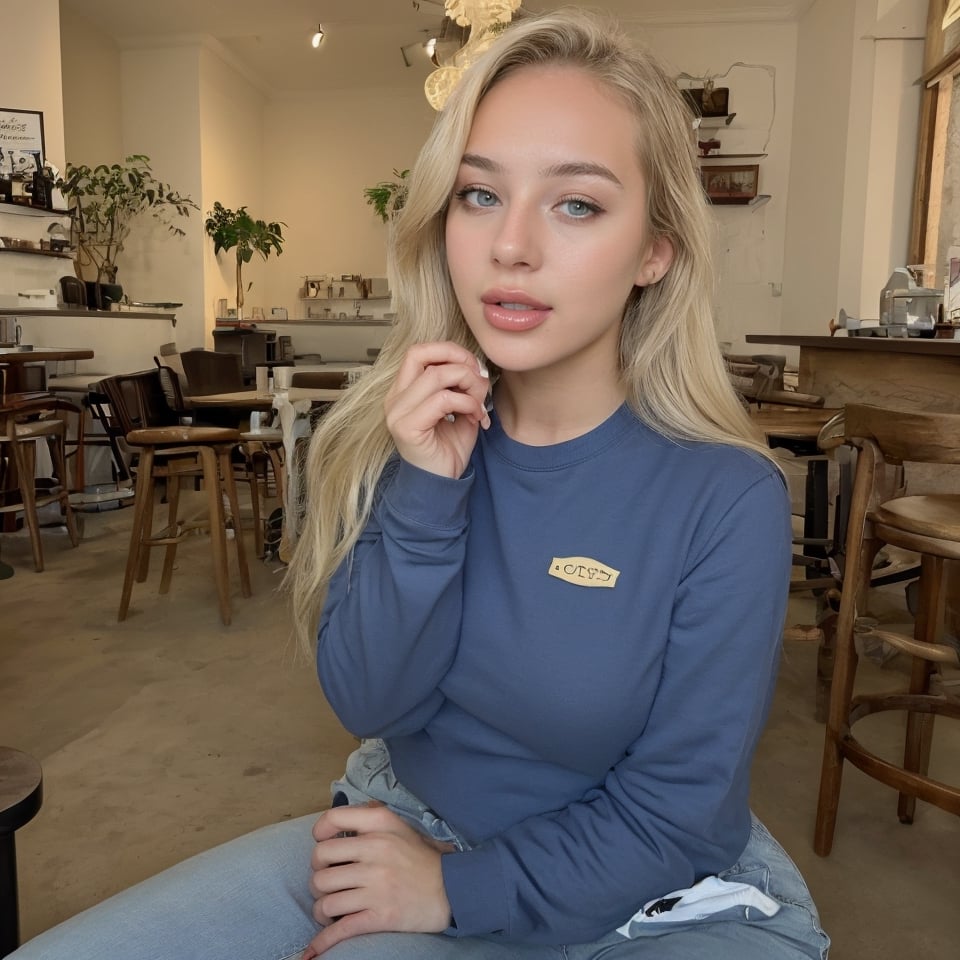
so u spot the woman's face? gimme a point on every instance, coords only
(546, 232)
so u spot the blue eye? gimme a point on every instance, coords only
(478, 197)
(578, 208)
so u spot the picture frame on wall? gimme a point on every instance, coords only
(730, 183)
(22, 147)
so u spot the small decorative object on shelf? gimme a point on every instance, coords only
(731, 183)
(707, 147)
(708, 100)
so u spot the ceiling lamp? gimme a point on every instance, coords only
(486, 18)
(317, 37)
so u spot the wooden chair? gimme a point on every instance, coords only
(26, 418)
(170, 452)
(208, 371)
(882, 513)
(759, 380)
(261, 448)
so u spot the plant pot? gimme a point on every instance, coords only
(101, 295)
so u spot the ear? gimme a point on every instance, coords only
(655, 262)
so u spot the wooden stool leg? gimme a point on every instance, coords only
(255, 505)
(279, 474)
(919, 737)
(142, 509)
(170, 554)
(218, 545)
(57, 445)
(226, 469)
(855, 586)
(24, 455)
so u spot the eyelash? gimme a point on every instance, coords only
(592, 208)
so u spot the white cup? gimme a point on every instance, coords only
(282, 377)
(254, 421)
(262, 374)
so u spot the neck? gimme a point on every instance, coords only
(541, 408)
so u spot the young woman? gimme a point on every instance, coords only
(532, 553)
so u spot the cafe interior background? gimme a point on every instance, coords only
(232, 104)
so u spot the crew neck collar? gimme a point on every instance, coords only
(555, 456)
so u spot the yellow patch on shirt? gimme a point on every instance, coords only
(583, 572)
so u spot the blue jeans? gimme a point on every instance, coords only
(248, 900)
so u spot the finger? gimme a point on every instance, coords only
(422, 355)
(351, 925)
(361, 818)
(438, 392)
(464, 377)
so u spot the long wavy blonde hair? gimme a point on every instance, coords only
(670, 363)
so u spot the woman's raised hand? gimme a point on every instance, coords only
(436, 406)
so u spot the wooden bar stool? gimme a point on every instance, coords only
(881, 513)
(171, 453)
(26, 419)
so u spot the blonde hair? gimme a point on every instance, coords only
(671, 366)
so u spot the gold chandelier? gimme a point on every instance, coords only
(485, 18)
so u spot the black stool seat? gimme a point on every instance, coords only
(21, 794)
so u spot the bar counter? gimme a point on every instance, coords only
(904, 372)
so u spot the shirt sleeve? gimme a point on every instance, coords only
(391, 622)
(675, 808)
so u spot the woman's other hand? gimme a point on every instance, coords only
(436, 406)
(385, 877)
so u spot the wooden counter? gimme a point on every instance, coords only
(903, 372)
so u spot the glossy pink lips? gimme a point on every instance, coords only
(513, 311)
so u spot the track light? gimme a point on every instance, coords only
(318, 36)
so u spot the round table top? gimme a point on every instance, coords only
(21, 789)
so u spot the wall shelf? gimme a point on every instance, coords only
(349, 322)
(25, 210)
(63, 255)
(730, 156)
(711, 123)
(753, 203)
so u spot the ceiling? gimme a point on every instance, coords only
(270, 42)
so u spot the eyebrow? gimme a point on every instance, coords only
(571, 168)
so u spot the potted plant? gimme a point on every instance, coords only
(388, 196)
(106, 200)
(236, 229)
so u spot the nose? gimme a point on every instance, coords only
(517, 242)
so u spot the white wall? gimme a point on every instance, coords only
(161, 119)
(748, 243)
(855, 135)
(233, 173)
(91, 95)
(322, 152)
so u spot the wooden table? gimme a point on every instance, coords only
(16, 358)
(251, 400)
(903, 372)
(21, 794)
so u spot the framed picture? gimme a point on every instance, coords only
(21, 142)
(731, 183)
(707, 101)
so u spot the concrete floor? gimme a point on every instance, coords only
(164, 735)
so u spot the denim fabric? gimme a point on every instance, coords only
(248, 900)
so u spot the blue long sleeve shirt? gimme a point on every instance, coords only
(570, 652)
